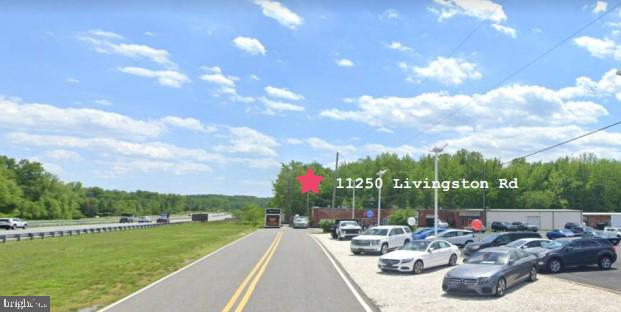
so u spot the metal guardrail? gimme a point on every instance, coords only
(93, 230)
(89, 221)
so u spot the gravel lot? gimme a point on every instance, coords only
(406, 292)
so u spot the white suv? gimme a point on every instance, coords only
(13, 223)
(381, 239)
(347, 229)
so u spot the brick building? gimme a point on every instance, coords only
(456, 218)
(319, 213)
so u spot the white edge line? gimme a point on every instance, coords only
(349, 285)
(175, 272)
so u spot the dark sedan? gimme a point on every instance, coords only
(554, 234)
(497, 239)
(562, 253)
(491, 272)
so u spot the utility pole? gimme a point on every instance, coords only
(336, 171)
(380, 174)
(353, 204)
(436, 150)
(308, 210)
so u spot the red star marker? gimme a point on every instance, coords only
(310, 182)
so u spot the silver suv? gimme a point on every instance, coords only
(13, 223)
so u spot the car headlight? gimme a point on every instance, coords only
(375, 242)
(483, 280)
(408, 260)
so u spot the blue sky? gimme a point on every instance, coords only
(209, 97)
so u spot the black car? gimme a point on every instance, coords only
(497, 239)
(563, 253)
(531, 227)
(577, 229)
(500, 226)
(126, 220)
(517, 226)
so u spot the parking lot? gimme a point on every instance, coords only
(423, 292)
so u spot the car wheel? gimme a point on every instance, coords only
(605, 263)
(467, 242)
(453, 260)
(533, 275)
(384, 249)
(501, 287)
(555, 266)
(418, 267)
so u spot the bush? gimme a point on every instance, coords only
(400, 217)
(325, 224)
(250, 214)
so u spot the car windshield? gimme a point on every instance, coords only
(349, 223)
(516, 244)
(552, 245)
(489, 238)
(417, 245)
(484, 257)
(4, 220)
(380, 232)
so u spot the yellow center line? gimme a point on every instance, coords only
(233, 299)
(256, 279)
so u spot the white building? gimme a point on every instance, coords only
(544, 219)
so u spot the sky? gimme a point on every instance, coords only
(212, 96)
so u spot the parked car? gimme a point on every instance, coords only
(300, 222)
(602, 225)
(500, 226)
(491, 272)
(525, 243)
(347, 229)
(517, 226)
(162, 219)
(614, 230)
(563, 253)
(13, 223)
(470, 228)
(577, 229)
(334, 226)
(126, 220)
(381, 239)
(497, 239)
(612, 238)
(554, 234)
(531, 227)
(423, 233)
(455, 237)
(143, 219)
(418, 255)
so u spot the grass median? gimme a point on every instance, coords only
(91, 271)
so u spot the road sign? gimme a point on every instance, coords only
(369, 213)
(411, 221)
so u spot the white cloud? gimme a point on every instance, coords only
(512, 106)
(395, 45)
(147, 166)
(449, 71)
(402, 150)
(187, 123)
(390, 14)
(168, 78)
(43, 117)
(509, 31)
(294, 141)
(600, 6)
(250, 45)
(344, 62)
(282, 93)
(600, 48)
(320, 144)
(103, 102)
(255, 77)
(385, 130)
(480, 9)
(104, 42)
(225, 84)
(271, 107)
(72, 80)
(63, 154)
(250, 141)
(277, 11)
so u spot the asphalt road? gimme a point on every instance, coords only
(592, 275)
(296, 277)
(214, 217)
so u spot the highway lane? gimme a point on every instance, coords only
(214, 217)
(295, 275)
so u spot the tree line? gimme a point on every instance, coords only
(30, 192)
(586, 182)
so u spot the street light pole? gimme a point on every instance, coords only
(353, 203)
(379, 198)
(436, 150)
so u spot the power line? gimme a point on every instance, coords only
(565, 142)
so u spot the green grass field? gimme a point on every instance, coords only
(95, 270)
